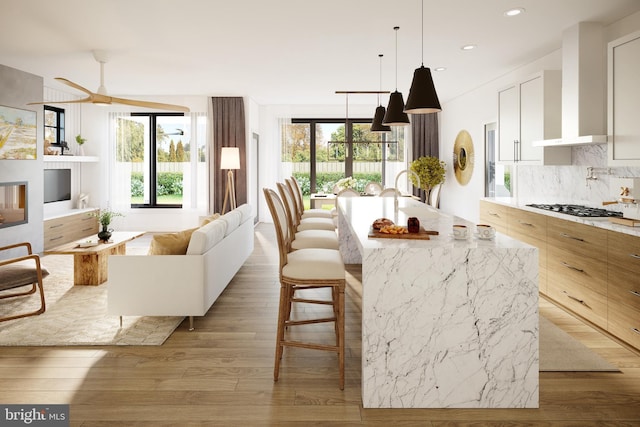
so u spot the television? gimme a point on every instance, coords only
(57, 185)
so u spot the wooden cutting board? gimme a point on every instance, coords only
(422, 235)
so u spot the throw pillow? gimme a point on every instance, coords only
(210, 218)
(171, 243)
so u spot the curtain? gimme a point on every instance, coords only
(425, 140)
(228, 130)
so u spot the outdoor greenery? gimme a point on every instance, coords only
(326, 181)
(169, 183)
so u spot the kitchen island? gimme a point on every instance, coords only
(445, 323)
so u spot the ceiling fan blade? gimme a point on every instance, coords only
(74, 85)
(73, 101)
(148, 104)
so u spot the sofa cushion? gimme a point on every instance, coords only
(206, 220)
(206, 237)
(232, 219)
(171, 243)
(245, 211)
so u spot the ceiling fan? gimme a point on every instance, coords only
(101, 98)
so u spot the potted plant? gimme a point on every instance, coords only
(80, 140)
(105, 216)
(431, 171)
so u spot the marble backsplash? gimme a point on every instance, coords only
(569, 184)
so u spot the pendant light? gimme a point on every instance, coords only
(422, 98)
(377, 125)
(395, 115)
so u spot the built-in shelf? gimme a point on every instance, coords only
(76, 159)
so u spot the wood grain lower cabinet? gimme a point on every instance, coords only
(531, 228)
(495, 215)
(67, 228)
(624, 287)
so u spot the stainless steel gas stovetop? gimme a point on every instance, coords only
(577, 210)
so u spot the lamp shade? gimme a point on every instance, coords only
(377, 125)
(230, 158)
(395, 115)
(422, 98)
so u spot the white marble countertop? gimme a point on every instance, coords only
(596, 222)
(361, 212)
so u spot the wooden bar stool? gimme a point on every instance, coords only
(301, 270)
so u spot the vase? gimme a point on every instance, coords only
(80, 150)
(105, 234)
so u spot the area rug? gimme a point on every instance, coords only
(77, 315)
(560, 352)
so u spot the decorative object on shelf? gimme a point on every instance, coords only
(395, 115)
(62, 145)
(17, 134)
(431, 172)
(422, 98)
(104, 217)
(463, 157)
(80, 141)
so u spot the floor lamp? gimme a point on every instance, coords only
(230, 160)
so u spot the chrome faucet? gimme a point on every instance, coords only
(395, 195)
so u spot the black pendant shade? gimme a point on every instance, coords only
(423, 98)
(377, 125)
(395, 115)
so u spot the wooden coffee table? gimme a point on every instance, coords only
(91, 264)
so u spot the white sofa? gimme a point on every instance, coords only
(182, 285)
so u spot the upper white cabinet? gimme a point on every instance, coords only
(624, 101)
(528, 111)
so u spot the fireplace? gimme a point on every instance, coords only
(13, 204)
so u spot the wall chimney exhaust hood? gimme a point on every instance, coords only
(583, 87)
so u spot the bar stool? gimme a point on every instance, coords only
(302, 212)
(301, 224)
(301, 270)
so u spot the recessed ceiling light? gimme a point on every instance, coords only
(468, 47)
(439, 69)
(514, 12)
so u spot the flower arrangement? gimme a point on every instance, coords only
(431, 171)
(347, 182)
(105, 216)
(80, 140)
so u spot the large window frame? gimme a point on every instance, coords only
(153, 162)
(59, 128)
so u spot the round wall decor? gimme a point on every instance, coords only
(463, 157)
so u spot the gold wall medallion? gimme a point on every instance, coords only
(463, 157)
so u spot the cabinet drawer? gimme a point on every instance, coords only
(581, 300)
(624, 288)
(494, 214)
(583, 240)
(530, 224)
(624, 251)
(585, 272)
(624, 323)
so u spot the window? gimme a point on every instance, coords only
(497, 180)
(318, 154)
(166, 159)
(54, 124)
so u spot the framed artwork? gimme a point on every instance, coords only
(17, 134)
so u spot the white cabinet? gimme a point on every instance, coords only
(624, 101)
(528, 111)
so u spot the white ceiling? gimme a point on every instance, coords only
(284, 51)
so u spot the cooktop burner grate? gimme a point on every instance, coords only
(577, 210)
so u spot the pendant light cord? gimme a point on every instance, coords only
(396, 30)
(380, 89)
(422, 17)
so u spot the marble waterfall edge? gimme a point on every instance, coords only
(450, 327)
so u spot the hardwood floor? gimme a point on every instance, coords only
(221, 374)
